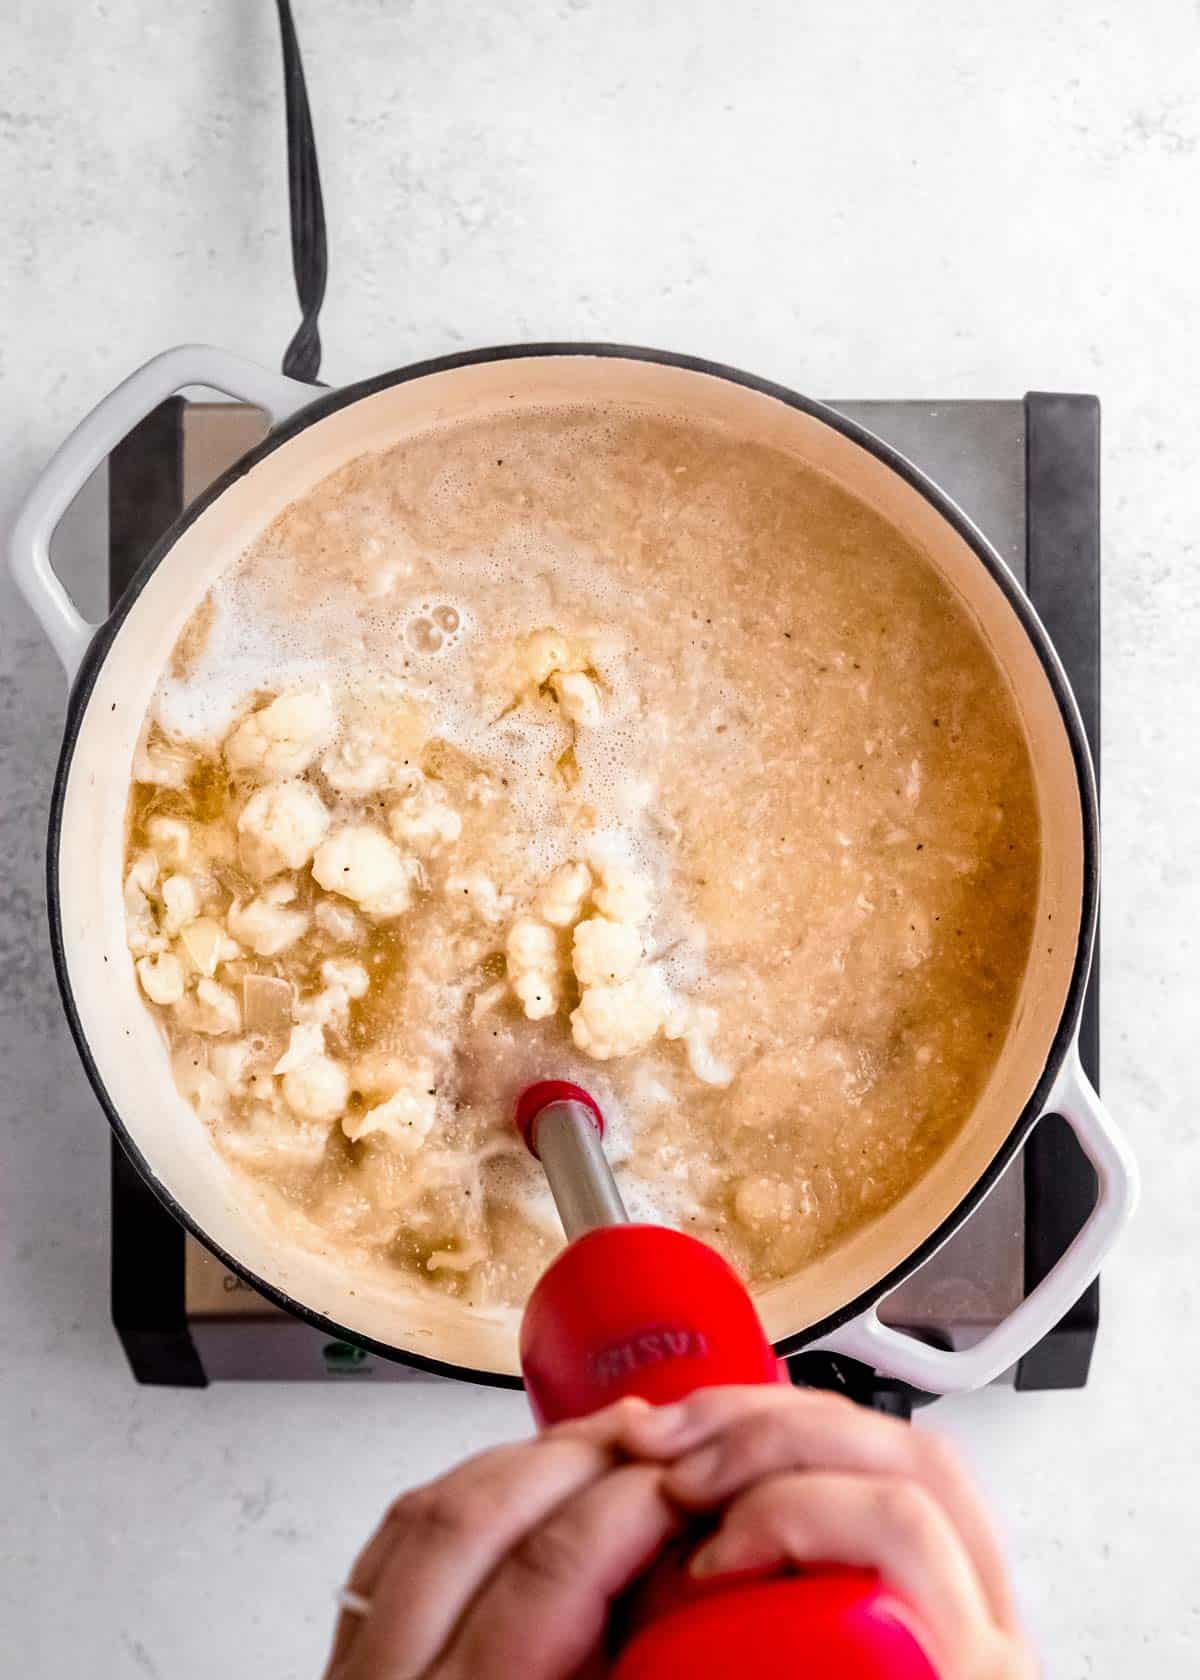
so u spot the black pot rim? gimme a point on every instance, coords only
(330, 403)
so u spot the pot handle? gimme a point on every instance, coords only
(93, 440)
(942, 1371)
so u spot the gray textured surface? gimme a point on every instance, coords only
(887, 205)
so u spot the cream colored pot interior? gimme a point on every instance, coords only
(125, 1041)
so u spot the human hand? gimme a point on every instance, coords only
(507, 1565)
(511, 1562)
(803, 1477)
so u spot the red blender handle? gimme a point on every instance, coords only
(821, 1624)
(644, 1310)
(625, 1309)
(637, 1309)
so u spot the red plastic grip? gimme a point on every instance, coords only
(637, 1309)
(823, 1624)
(534, 1098)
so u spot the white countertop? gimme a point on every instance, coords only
(918, 200)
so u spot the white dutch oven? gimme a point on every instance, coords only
(114, 667)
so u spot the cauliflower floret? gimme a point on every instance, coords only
(547, 659)
(162, 764)
(707, 1067)
(578, 698)
(280, 828)
(198, 1086)
(761, 1201)
(161, 977)
(211, 1009)
(381, 749)
(352, 977)
(341, 983)
(181, 903)
(141, 929)
(547, 662)
(536, 657)
(616, 1021)
(561, 898)
(268, 1136)
(531, 951)
(537, 993)
(605, 953)
(406, 1116)
(304, 1042)
(480, 892)
(262, 1088)
(357, 765)
(143, 872)
(221, 1008)
(361, 863)
(529, 945)
(228, 1063)
(424, 821)
(573, 668)
(284, 737)
(338, 921)
(328, 1007)
(314, 1085)
(695, 1024)
(623, 895)
(171, 838)
(378, 1074)
(317, 1090)
(206, 945)
(265, 924)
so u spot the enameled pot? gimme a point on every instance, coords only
(114, 667)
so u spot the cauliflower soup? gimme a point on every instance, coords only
(591, 744)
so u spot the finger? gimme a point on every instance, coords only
(734, 1436)
(609, 1425)
(601, 1428)
(949, 1476)
(543, 1613)
(439, 1543)
(838, 1435)
(368, 1566)
(664, 1432)
(885, 1523)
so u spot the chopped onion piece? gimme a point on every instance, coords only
(266, 1002)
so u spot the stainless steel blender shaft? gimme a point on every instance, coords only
(581, 1180)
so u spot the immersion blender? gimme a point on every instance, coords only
(645, 1310)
